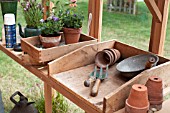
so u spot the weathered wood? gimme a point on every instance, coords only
(158, 30)
(44, 55)
(86, 57)
(152, 6)
(96, 10)
(48, 98)
(80, 69)
(114, 100)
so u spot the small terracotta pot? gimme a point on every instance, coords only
(116, 54)
(138, 96)
(155, 92)
(132, 109)
(71, 35)
(102, 59)
(48, 42)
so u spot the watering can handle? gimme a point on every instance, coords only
(12, 97)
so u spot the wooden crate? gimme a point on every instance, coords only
(70, 71)
(43, 55)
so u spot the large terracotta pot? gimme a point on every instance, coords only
(71, 35)
(48, 42)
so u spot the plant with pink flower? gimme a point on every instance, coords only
(33, 12)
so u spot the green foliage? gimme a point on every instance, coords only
(32, 12)
(51, 26)
(60, 105)
(69, 14)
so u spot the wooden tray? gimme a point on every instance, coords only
(70, 71)
(44, 55)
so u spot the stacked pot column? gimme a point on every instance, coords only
(155, 92)
(137, 101)
(107, 57)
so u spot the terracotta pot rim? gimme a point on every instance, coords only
(97, 63)
(155, 79)
(140, 108)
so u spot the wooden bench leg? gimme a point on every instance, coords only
(48, 98)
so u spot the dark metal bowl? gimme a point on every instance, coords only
(132, 66)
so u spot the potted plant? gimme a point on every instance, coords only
(32, 12)
(72, 23)
(50, 31)
(9, 6)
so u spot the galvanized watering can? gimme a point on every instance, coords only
(23, 106)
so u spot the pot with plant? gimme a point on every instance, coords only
(9, 6)
(72, 20)
(32, 12)
(50, 31)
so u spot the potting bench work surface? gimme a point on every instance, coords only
(77, 96)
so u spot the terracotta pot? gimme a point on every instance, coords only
(116, 54)
(71, 35)
(137, 101)
(138, 96)
(102, 59)
(48, 42)
(155, 92)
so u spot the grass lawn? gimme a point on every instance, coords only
(131, 29)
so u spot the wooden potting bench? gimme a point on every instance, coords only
(69, 80)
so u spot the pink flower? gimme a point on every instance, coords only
(73, 1)
(73, 5)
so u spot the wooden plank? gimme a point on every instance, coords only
(96, 8)
(44, 55)
(114, 101)
(48, 98)
(79, 75)
(134, 7)
(85, 58)
(158, 30)
(152, 6)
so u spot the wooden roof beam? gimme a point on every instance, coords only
(153, 7)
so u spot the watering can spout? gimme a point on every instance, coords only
(20, 31)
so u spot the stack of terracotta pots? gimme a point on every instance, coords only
(107, 57)
(155, 92)
(137, 101)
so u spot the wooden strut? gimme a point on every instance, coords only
(96, 8)
(159, 10)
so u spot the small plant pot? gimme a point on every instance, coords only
(48, 42)
(155, 92)
(116, 54)
(102, 59)
(138, 96)
(137, 100)
(132, 109)
(71, 35)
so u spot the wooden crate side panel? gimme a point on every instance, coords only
(32, 40)
(84, 37)
(78, 58)
(53, 53)
(30, 49)
(27, 60)
(128, 51)
(116, 100)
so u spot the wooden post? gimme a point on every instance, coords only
(46, 4)
(48, 98)
(158, 29)
(96, 8)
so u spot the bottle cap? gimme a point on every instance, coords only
(9, 19)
